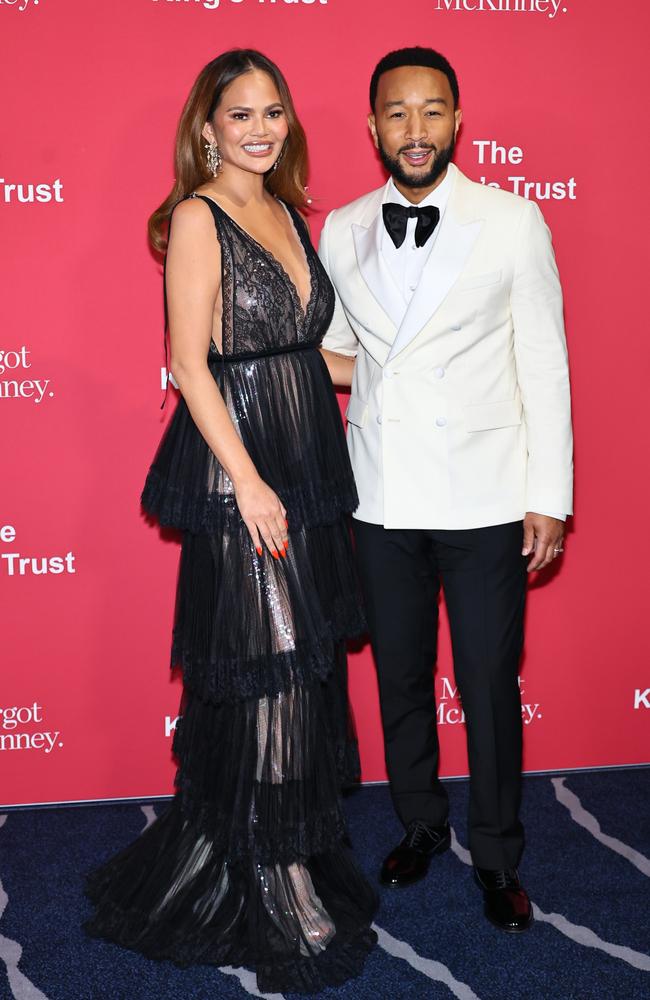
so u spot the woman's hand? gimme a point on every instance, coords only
(264, 516)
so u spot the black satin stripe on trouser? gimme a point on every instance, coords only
(483, 576)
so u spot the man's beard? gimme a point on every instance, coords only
(441, 160)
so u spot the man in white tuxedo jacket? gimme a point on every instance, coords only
(449, 327)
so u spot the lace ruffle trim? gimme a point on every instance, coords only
(235, 677)
(309, 505)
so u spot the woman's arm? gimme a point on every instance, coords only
(193, 283)
(340, 367)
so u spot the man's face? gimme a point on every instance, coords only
(414, 125)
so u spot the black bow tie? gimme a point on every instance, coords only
(396, 219)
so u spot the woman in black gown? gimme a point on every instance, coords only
(249, 865)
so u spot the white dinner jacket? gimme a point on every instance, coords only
(460, 414)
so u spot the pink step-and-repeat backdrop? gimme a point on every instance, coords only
(553, 97)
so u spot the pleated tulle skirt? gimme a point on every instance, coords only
(250, 865)
(286, 413)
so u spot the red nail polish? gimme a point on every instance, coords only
(259, 550)
(275, 553)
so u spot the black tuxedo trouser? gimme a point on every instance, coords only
(483, 576)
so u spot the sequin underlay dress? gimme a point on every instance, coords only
(250, 864)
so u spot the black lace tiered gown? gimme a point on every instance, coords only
(249, 865)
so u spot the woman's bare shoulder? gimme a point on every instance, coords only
(192, 212)
(192, 222)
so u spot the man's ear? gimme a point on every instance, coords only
(458, 115)
(372, 125)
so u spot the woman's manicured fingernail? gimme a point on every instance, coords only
(259, 550)
(286, 522)
(283, 554)
(275, 554)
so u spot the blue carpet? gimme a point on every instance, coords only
(582, 888)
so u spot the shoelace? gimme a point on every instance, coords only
(418, 833)
(506, 879)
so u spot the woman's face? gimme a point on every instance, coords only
(250, 124)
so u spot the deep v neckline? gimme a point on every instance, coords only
(302, 310)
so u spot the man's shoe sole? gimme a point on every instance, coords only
(510, 930)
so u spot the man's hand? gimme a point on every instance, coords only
(543, 537)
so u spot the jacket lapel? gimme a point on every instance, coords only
(367, 244)
(459, 230)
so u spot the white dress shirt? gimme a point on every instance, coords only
(406, 263)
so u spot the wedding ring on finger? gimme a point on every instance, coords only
(556, 552)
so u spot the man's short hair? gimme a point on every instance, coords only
(415, 56)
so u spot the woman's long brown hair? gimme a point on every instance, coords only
(191, 168)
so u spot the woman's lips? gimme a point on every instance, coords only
(258, 148)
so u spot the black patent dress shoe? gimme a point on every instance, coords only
(409, 861)
(507, 905)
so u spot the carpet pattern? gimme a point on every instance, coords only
(586, 867)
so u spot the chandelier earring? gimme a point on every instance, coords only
(276, 164)
(214, 158)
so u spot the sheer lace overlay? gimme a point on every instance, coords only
(250, 863)
(277, 390)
